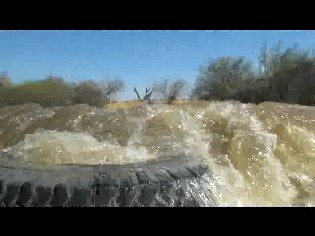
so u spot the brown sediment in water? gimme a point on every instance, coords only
(259, 154)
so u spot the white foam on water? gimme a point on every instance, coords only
(253, 162)
(65, 147)
(254, 174)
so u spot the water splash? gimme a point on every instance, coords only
(74, 148)
(259, 155)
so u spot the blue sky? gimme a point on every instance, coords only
(140, 58)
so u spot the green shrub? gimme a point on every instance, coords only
(90, 93)
(47, 93)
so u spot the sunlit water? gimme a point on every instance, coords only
(259, 155)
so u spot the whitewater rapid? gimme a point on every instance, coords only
(259, 155)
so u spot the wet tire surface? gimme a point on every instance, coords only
(154, 184)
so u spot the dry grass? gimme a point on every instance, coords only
(124, 105)
(138, 104)
(190, 103)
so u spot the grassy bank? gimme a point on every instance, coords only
(51, 92)
(46, 93)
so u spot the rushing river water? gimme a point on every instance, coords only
(259, 155)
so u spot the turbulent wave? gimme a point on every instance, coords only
(259, 155)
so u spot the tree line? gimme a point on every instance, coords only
(280, 75)
(55, 91)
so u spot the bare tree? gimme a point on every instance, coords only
(110, 88)
(147, 96)
(5, 81)
(54, 78)
(170, 91)
(139, 98)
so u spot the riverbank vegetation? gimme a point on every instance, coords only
(54, 91)
(277, 74)
(281, 75)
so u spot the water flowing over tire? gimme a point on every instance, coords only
(195, 154)
(159, 183)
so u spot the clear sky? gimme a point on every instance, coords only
(140, 58)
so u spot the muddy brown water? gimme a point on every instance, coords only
(259, 155)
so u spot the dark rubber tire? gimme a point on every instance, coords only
(144, 184)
